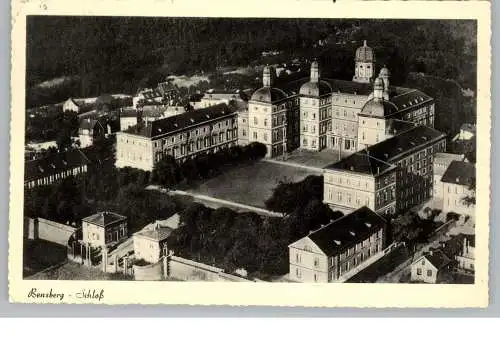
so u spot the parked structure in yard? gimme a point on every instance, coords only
(431, 267)
(458, 185)
(182, 136)
(54, 167)
(367, 177)
(325, 255)
(104, 228)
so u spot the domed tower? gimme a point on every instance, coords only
(365, 64)
(314, 71)
(266, 77)
(378, 89)
(384, 75)
(315, 99)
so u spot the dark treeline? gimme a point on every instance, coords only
(231, 240)
(106, 54)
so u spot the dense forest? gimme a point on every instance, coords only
(95, 55)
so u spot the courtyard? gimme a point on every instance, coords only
(251, 184)
(313, 159)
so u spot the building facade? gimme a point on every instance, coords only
(333, 252)
(182, 136)
(401, 164)
(90, 130)
(329, 113)
(360, 180)
(458, 181)
(430, 268)
(441, 162)
(104, 228)
(270, 112)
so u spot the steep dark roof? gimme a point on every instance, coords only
(178, 122)
(104, 218)
(54, 163)
(438, 259)
(399, 144)
(347, 231)
(362, 163)
(459, 172)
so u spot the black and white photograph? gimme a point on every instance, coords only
(249, 149)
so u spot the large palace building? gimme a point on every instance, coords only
(319, 113)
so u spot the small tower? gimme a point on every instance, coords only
(365, 64)
(378, 89)
(384, 75)
(314, 72)
(266, 77)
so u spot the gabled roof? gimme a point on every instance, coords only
(104, 218)
(89, 123)
(438, 259)
(346, 231)
(409, 98)
(361, 163)
(54, 163)
(178, 122)
(459, 172)
(392, 147)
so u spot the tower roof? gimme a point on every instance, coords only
(365, 53)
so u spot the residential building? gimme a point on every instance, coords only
(401, 164)
(335, 251)
(54, 167)
(459, 184)
(431, 267)
(104, 228)
(71, 105)
(214, 97)
(182, 136)
(360, 180)
(150, 243)
(89, 130)
(467, 132)
(441, 162)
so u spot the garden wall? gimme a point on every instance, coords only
(40, 228)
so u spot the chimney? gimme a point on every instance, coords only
(465, 251)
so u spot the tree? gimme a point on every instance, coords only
(166, 172)
(470, 199)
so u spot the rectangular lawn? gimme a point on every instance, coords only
(250, 184)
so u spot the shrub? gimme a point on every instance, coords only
(452, 216)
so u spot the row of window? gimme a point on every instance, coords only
(55, 177)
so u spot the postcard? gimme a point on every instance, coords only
(307, 153)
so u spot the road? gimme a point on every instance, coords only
(213, 202)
